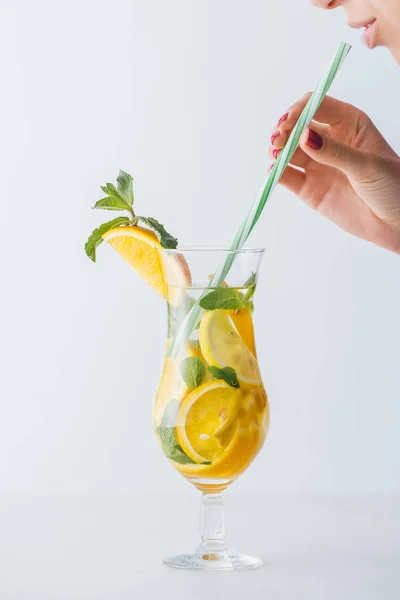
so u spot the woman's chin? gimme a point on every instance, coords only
(396, 53)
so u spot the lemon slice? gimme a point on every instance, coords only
(138, 246)
(205, 416)
(222, 346)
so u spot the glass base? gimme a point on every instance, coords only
(215, 561)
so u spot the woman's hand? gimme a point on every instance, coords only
(349, 173)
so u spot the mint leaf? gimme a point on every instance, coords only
(167, 439)
(112, 191)
(96, 238)
(250, 284)
(223, 298)
(193, 371)
(111, 203)
(227, 374)
(165, 238)
(250, 281)
(250, 305)
(166, 432)
(180, 457)
(125, 187)
(171, 448)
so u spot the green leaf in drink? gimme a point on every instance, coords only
(223, 298)
(193, 371)
(167, 439)
(250, 285)
(228, 374)
(166, 432)
(180, 457)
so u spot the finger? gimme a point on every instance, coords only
(280, 138)
(299, 158)
(293, 180)
(331, 111)
(326, 150)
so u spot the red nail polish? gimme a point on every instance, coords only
(274, 136)
(315, 141)
(275, 153)
(283, 118)
(271, 167)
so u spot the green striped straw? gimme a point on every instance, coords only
(193, 317)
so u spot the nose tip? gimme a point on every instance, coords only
(326, 4)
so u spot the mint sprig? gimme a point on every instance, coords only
(118, 198)
(223, 298)
(166, 239)
(193, 371)
(227, 298)
(122, 198)
(228, 374)
(96, 238)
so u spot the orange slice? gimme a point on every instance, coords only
(138, 246)
(204, 416)
(243, 322)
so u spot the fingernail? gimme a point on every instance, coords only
(270, 167)
(275, 153)
(283, 118)
(274, 136)
(315, 141)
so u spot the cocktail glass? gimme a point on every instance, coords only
(211, 412)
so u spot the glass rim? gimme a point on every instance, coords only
(221, 249)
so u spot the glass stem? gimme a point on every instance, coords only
(212, 527)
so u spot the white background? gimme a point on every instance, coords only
(184, 95)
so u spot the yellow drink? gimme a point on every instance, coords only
(211, 411)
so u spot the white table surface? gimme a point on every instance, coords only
(111, 548)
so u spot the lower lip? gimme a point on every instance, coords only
(369, 36)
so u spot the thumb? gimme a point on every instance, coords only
(327, 151)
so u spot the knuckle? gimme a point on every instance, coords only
(359, 116)
(360, 113)
(337, 151)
